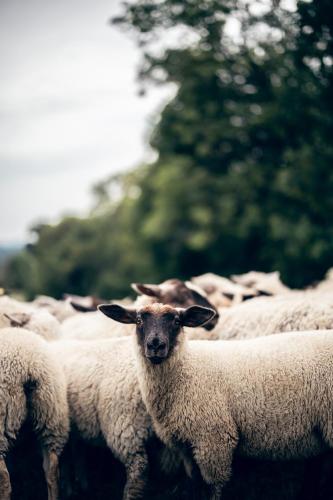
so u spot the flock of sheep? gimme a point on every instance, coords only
(183, 417)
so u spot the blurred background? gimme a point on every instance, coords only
(164, 138)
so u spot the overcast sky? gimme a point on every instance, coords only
(69, 111)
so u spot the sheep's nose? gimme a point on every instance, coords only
(162, 346)
(155, 343)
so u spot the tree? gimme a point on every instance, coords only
(253, 118)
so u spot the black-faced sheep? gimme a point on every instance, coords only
(269, 397)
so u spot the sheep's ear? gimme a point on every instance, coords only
(81, 308)
(150, 290)
(196, 316)
(18, 319)
(118, 313)
(197, 290)
(248, 297)
(264, 293)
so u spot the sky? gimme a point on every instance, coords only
(70, 114)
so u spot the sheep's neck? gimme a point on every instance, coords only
(158, 382)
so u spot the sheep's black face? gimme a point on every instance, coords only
(158, 325)
(157, 333)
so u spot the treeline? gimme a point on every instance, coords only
(244, 175)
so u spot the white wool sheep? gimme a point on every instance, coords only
(91, 326)
(9, 305)
(106, 405)
(266, 315)
(21, 314)
(60, 309)
(264, 283)
(270, 397)
(221, 291)
(32, 385)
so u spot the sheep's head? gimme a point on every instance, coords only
(177, 293)
(158, 325)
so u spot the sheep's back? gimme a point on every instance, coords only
(265, 316)
(277, 390)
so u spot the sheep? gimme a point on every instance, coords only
(60, 309)
(266, 315)
(174, 292)
(221, 291)
(270, 397)
(20, 314)
(9, 304)
(32, 386)
(263, 283)
(90, 326)
(103, 392)
(93, 325)
(105, 403)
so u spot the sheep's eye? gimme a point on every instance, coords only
(139, 322)
(177, 321)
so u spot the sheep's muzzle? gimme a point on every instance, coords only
(156, 348)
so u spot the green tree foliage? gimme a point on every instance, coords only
(244, 175)
(253, 119)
